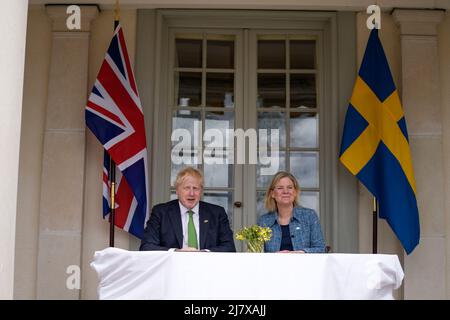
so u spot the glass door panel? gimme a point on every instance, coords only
(204, 95)
(285, 72)
(219, 84)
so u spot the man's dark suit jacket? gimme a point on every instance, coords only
(164, 230)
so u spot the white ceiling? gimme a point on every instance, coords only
(354, 5)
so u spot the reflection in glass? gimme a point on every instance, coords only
(189, 120)
(220, 120)
(188, 85)
(218, 144)
(219, 88)
(188, 53)
(302, 54)
(185, 150)
(310, 199)
(304, 129)
(303, 91)
(220, 54)
(272, 90)
(273, 120)
(263, 181)
(305, 167)
(218, 175)
(271, 54)
(223, 199)
(260, 209)
(175, 168)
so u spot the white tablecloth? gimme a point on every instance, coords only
(206, 275)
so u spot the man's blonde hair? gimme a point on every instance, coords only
(188, 171)
(269, 202)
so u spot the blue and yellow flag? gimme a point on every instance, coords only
(375, 146)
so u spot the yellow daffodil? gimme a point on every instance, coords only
(255, 237)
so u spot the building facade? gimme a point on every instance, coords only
(286, 65)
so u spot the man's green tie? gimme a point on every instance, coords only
(192, 234)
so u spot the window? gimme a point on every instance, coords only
(229, 70)
(203, 109)
(287, 100)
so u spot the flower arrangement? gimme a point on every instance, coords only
(255, 237)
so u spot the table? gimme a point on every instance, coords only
(234, 276)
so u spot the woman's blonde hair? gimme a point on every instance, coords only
(188, 171)
(269, 202)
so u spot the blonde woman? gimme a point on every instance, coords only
(294, 228)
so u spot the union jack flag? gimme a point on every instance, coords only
(114, 114)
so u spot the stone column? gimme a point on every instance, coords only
(61, 204)
(425, 267)
(13, 26)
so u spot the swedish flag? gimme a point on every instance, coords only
(375, 146)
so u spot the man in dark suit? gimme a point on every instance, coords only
(188, 224)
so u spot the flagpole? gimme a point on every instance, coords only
(112, 179)
(112, 164)
(116, 15)
(375, 226)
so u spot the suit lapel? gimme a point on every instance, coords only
(203, 222)
(175, 219)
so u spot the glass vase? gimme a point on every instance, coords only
(255, 246)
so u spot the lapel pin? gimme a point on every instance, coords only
(298, 228)
(205, 221)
